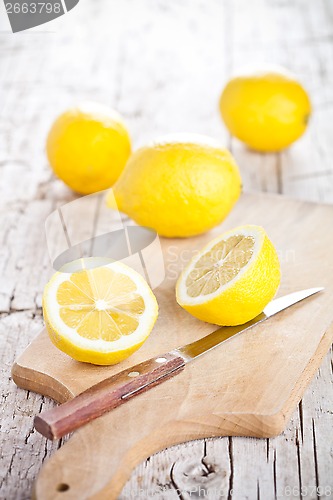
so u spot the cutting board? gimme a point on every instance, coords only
(248, 387)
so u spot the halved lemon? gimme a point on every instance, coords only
(232, 279)
(99, 315)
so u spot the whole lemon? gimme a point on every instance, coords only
(88, 147)
(267, 110)
(179, 186)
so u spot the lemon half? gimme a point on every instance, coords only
(100, 315)
(232, 279)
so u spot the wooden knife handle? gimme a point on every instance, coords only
(107, 395)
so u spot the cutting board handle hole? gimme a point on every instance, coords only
(133, 374)
(63, 487)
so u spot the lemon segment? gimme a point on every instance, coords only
(232, 279)
(267, 110)
(179, 186)
(99, 315)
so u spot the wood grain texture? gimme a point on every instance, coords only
(162, 65)
(250, 386)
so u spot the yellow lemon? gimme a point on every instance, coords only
(179, 186)
(99, 315)
(232, 279)
(88, 147)
(267, 110)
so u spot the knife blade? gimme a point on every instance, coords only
(117, 389)
(222, 334)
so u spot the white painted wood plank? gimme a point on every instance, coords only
(22, 451)
(163, 66)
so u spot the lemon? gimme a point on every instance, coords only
(267, 110)
(88, 147)
(232, 279)
(99, 315)
(179, 186)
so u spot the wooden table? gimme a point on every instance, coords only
(162, 64)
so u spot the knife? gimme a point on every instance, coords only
(120, 388)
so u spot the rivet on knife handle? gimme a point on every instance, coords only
(107, 395)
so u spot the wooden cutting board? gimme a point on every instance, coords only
(249, 387)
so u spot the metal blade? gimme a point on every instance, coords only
(286, 301)
(191, 351)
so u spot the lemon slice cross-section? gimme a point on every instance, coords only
(99, 315)
(232, 279)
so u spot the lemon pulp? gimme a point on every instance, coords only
(99, 315)
(219, 265)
